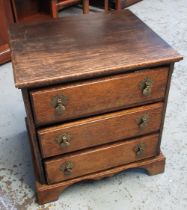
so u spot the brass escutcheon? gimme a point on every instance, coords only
(63, 140)
(143, 121)
(139, 149)
(67, 168)
(146, 86)
(59, 102)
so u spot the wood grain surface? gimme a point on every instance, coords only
(100, 130)
(98, 96)
(85, 46)
(34, 144)
(101, 158)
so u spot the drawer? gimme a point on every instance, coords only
(102, 158)
(98, 96)
(100, 130)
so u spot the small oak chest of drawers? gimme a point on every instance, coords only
(95, 89)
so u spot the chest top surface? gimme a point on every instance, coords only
(86, 46)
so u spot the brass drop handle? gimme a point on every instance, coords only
(143, 121)
(139, 149)
(64, 140)
(147, 89)
(67, 168)
(60, 108)
(146, 86)
(59, 102)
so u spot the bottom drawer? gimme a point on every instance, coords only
(102, 158)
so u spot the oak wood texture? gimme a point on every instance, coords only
(36, 154)
(48, 193)
(100, 130)
(98, 96)
(171, 68)
(101, 158)
(84, 46)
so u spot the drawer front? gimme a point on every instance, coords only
(98, 96)
(100, 130)
(102, 158)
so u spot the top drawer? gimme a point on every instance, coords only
(98, 96)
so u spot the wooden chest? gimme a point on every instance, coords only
(95, 90)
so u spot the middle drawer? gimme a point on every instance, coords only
(99, 130)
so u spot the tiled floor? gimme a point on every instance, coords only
(130, 190)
